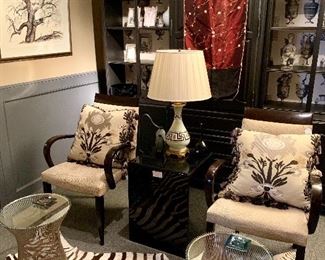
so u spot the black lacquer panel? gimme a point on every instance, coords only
(159, 201)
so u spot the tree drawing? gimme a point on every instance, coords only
(33, 19)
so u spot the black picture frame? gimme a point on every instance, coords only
(146, 42)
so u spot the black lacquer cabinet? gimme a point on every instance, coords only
(159, 201)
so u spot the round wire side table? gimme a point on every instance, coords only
(211, 246)
(35, 221)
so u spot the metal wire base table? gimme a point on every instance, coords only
(211, 246)
(35, 221)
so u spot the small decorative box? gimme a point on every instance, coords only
(238, 242)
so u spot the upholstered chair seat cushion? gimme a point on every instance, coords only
(79, 178)
(283, 225)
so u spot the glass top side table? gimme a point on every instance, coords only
(211, 246)
(35, 221)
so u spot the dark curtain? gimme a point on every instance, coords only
(218, 27)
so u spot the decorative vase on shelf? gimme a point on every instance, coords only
(283, 88)
(310, 10)
(160, 33)
(166, 17)
(307, 47)
(291, 10)
(302, 89)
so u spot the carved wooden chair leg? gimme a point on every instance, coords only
(100, 212)
(47, 188)
(210, 227)
(300, 255)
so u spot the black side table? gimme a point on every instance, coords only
(159, 200)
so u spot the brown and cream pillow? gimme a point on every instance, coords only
(272, 169)
(99, 130)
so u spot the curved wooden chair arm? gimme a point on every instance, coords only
(209, 180)
(108, 163)
(48, 145)
(315, 202)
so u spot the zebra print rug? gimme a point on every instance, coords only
(290, 255)
(74, 253)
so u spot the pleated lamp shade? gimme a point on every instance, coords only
(179, 76)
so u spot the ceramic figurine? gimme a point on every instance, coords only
(302, 89)
(307, 47)
(310, 10)
(288, 52)
(145, 77)
(291, 10)
(160, 135)
(160, 140)
(283, 87)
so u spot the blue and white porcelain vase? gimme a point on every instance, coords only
(310, 10)
(291, 10)
(302, 89)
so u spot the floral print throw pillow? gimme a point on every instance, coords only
(99, 130)
(272, 169)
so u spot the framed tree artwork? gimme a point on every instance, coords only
(30, 28)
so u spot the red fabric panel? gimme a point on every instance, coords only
(219, 28)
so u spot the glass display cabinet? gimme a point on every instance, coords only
(293, 74)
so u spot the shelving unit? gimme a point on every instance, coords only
(301, 86)
(127, 46)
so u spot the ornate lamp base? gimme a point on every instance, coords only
(181, 153)
(177, 138)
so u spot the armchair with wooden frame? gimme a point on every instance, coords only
(291, 225)
(93, 181)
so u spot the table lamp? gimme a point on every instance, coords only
(179, 76)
